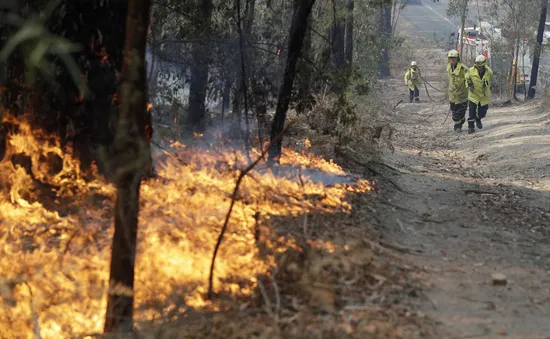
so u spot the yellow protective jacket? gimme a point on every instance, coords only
(458, 90)
(413, 78)
(481, 93)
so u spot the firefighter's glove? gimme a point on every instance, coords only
(485, 84)
(470, 84)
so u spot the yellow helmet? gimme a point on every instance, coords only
(452, 54)
(480, 60)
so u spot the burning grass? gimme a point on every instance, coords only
(56, 231)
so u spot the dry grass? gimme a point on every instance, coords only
(341, 289)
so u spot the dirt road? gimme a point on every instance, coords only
(468, 206)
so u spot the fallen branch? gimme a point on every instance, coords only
(241, 176)
(394, 107)
(480, 192)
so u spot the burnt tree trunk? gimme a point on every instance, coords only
(130, 156)
(536, 58)
(296, 39)
(305, 99)
(196, 115)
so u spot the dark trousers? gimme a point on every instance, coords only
(459, 113)
(413, 93)
(476, 111)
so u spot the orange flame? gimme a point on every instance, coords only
(55, 248)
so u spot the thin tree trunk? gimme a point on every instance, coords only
(244, 34)
(349, 33)
(337, 33)
(296, 40)
(515, 90)
(538, 48)
(463, 14)
(338, 43)
(393, 9)
(131, 154)
(199, 72)
(304, 73)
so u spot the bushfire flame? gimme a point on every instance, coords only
(56, 229)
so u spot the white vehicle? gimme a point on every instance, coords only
(473, 44)
(478, 41)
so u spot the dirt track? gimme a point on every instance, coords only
(467, 206)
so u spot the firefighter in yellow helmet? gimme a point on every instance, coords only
(458, 92)
(413, 79)
(478, 80)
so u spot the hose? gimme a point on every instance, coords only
(427, 92)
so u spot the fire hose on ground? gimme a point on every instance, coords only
(426, 84)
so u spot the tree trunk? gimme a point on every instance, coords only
(463, 14)
(296, 40)
(514, 80)
(305, 101)
(349, 33)
(337, 33)
(199, 72)
(536, 58)
(338, 45)
(131, 154)
(244, 31)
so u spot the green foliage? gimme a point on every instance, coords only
(37, 43)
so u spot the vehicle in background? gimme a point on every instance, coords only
(481, 40)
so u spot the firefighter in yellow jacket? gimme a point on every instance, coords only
(478, 80)
(413, 79)
(458, 92)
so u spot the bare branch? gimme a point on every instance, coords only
(241, 176)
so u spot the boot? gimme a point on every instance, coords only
(458, 129)
(416, 100)
(410, 100)
(479, 124)
(471, 130)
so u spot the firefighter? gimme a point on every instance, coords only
(458, 92)
(413, 79)
(478, 80)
